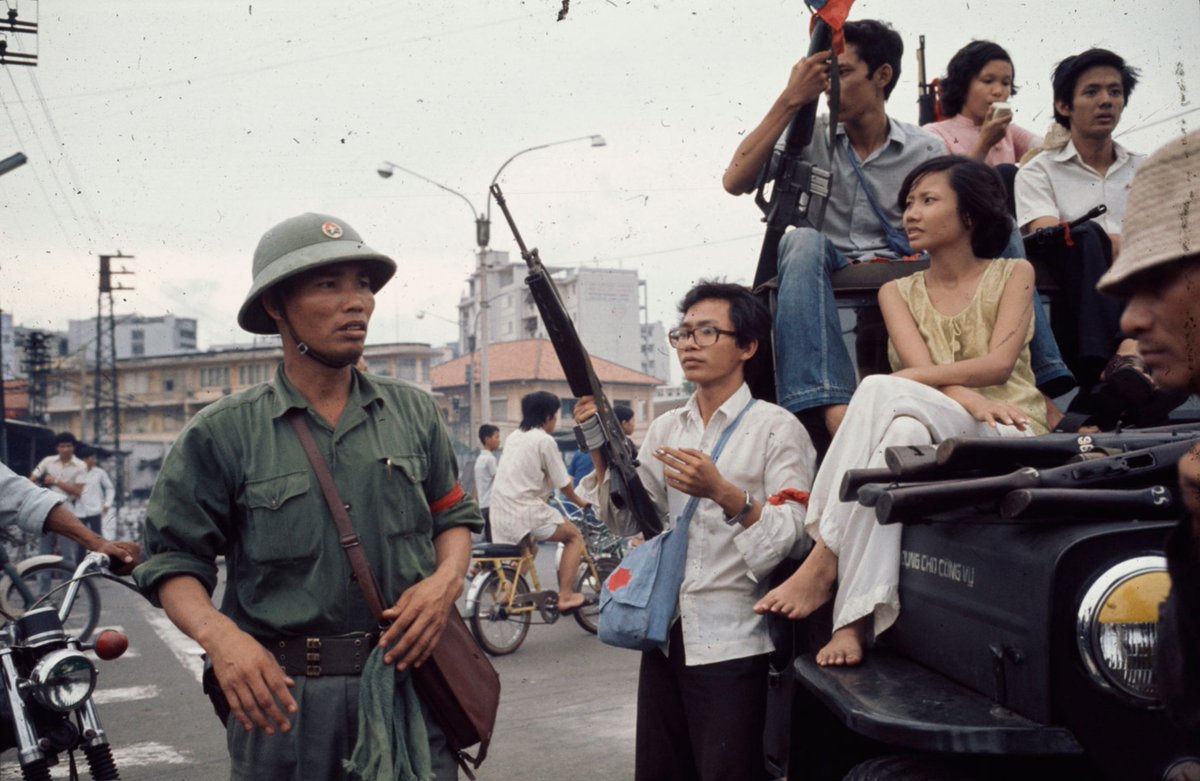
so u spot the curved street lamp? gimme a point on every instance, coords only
(483, 231)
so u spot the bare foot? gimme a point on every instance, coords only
(845, 648)
(810, 587)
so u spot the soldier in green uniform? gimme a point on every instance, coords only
(238, 484)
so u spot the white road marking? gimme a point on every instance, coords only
(126, 694)
(183, 647)
(137, 755)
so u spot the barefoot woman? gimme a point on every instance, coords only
(959, 336)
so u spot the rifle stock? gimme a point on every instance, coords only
(1099, 504)
(625, 486)
(995, 455)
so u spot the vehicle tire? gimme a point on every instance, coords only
(902, 767)
(498, 632)
(588, 616)
(45, 578)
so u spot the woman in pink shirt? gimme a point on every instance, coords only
(979, 75)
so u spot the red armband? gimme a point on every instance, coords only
(449, 500)
(789, 495)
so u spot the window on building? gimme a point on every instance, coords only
(168, 384)
(499, 409)
(253, 373)
(505, 276)
(214, 377)
(406, 369)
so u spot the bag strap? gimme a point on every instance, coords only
(337, 508)
(896, 241)
(686, 517)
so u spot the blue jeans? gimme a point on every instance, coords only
(812, 365)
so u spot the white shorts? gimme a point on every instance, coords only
(543, 533)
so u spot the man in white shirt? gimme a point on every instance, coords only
(63, 474)
(701, 706)
(485, 473)
(1090, 92)
(97, 496)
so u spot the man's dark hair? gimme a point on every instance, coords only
(622, 412)
(750, 317)
(964, 66)
(877, 43)
(982, 203)
(536, 407)
(65, 437)
(1067, 73)
(485, 431)
(84, 451)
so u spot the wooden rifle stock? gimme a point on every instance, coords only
(918, 502)
(626, 489)
(1098, 504)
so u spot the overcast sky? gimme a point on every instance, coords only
(179, 132)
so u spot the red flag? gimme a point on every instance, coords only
(834, 12)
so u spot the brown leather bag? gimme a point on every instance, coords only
(457, 683)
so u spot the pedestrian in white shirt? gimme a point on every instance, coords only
(485, 473)
(701, 706)
(63, 474)
(97, 496)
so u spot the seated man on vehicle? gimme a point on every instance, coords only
(1091, 90)
(701, 706)
(529, 473)
(873, 153)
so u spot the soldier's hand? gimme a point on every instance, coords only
(418, 620)
(253, 682)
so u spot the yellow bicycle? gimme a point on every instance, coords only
(505, 592)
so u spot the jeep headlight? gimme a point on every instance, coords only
(63, 680)
(1117, 627)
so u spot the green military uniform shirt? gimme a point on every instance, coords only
(237, 483)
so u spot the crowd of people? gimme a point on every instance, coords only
(971, 349)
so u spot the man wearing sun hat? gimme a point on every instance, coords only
(238, 484)
(1159, 271)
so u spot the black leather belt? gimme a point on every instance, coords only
(316, 656)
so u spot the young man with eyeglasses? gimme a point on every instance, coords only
(701, 706)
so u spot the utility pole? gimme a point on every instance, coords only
(37, 369)
(107, 412)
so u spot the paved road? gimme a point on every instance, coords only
(567, 707)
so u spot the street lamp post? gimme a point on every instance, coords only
(483, 231)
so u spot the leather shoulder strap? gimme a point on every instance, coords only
(337, 508)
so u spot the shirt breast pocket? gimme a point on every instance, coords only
(278, 525)
(404, 489)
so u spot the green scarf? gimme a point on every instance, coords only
(393, 744)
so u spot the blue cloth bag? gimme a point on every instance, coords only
(641, 597)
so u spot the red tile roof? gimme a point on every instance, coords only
(528, 359)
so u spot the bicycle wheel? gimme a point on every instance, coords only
(496, 630)
(588, 616)
(44, 578)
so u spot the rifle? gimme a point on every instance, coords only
(625, 486)
(914, 463)
(1048, 237)
(927, 98)
(915, 502)
(996, 455)
(1153, 503)
(798, 196)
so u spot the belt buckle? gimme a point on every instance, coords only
(312, 655)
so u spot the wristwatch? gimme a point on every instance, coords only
(742, 513)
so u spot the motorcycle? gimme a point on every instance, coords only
(46, 684)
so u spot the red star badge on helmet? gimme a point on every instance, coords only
(332, 230)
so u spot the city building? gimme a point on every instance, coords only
(518, 368)
(8, 352)
(137, 336)
(606, 305)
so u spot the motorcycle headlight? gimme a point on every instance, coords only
(63, 680)
(1117, 627)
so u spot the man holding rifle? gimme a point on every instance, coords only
(871, 156)
(1159, 270)
(701, 706)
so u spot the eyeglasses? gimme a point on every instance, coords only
(704, 336)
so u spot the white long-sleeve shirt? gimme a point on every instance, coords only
(726, 568)
(98, 493)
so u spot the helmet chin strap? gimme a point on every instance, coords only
(304, 349)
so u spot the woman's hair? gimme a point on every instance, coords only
(536, 407)
(750, 317)
(982, 206)
(964, 66)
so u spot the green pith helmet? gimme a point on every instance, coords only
(297, 245)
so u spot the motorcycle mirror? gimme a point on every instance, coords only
(111, 644)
